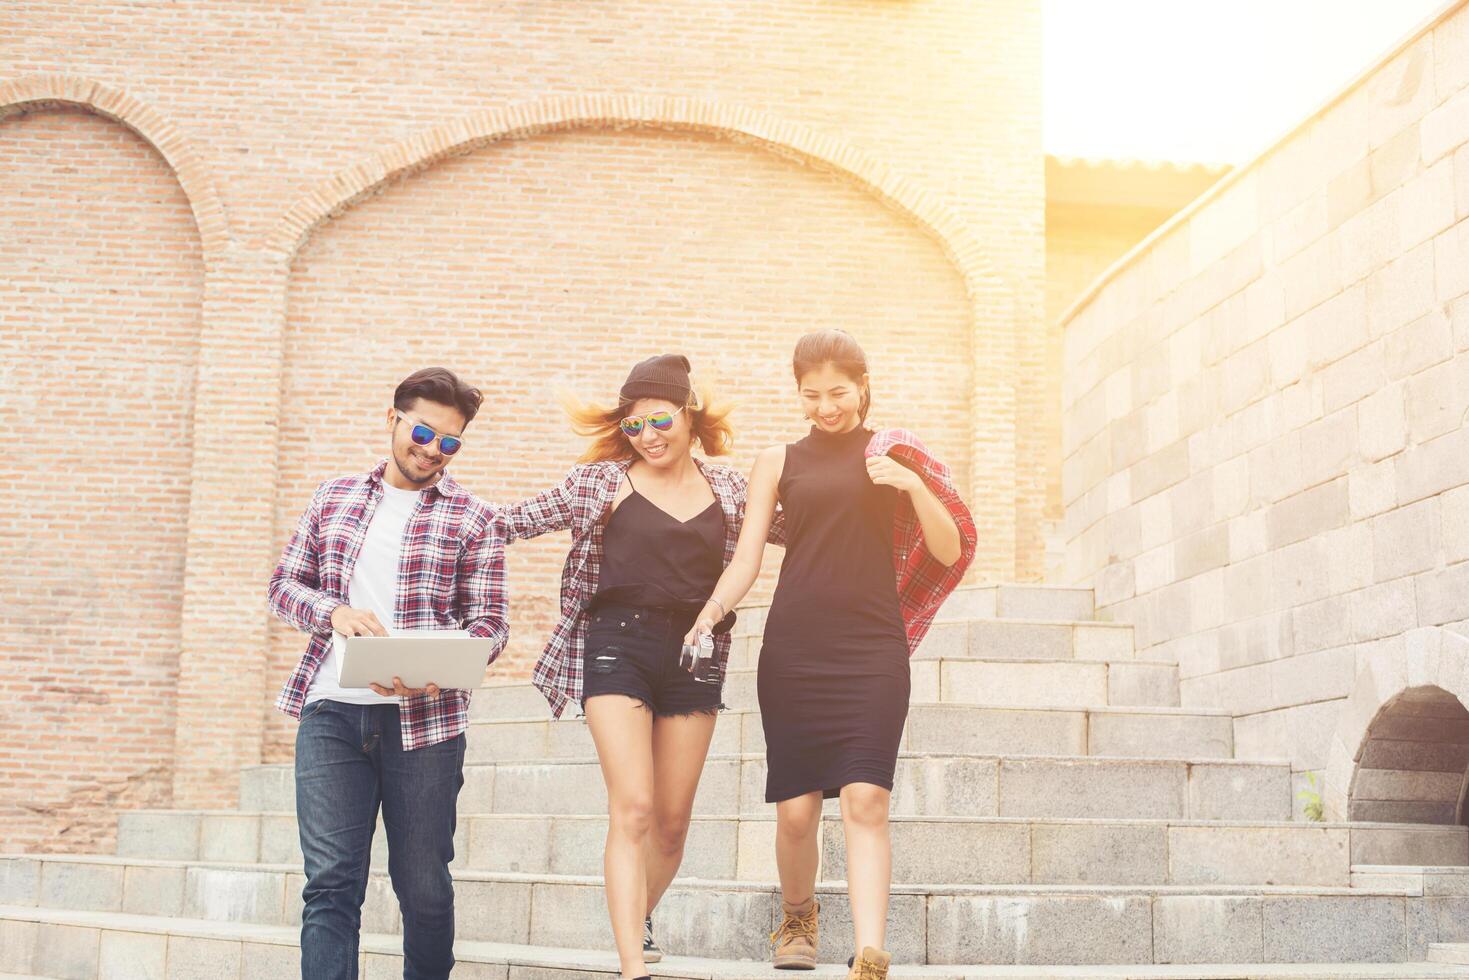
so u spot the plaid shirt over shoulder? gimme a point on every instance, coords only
(581, 503)
(924, 582)
(451, 576)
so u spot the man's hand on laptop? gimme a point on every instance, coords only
(356, 622)
(432, 690)
(362, 622)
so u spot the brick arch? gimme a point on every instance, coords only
(1401, 746)
(30, 93)
(995, 317)
(562, 113)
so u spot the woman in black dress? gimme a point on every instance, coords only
(833, 672)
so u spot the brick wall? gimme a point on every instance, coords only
(94, 496)
(534, 294)
(377, 186)
(1264, 411)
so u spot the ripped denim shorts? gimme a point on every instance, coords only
(634, 650)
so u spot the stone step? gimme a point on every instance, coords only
(1456, 953)
(1425, 879)
(1045, 603)
(1018, 683)
(1005, 600)
(94, 945)
(1021, 639)
(1091, 730)
(991, 639)
(996, 683)
(982, 850)
(923, 785)
(939, 926)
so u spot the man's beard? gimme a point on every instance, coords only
(403, 462)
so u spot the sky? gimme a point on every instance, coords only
(1200, 80)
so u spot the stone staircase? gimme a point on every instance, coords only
(1056, 814)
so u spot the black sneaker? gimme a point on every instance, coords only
(651, 952)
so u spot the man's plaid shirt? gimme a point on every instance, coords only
(451, 576)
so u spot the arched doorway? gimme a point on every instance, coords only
(1401, 748)
(1413, 760)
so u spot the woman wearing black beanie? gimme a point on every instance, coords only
(652, 528)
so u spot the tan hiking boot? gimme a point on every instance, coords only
(795, 940)
(871, 965)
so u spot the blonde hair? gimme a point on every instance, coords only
(710, 422)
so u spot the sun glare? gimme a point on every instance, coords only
(1189, 80)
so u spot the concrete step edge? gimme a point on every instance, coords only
(920, 819)
(588, 961)
(1104, 761)
(1449, 953)
(1416, 869)
(823, 886)
(1007, 620)
(1100, 709)
(1053, 587)
(971, 757)
(743, 672)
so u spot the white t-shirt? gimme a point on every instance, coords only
(374, 586)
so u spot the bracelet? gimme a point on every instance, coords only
(722, 611)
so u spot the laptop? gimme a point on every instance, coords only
(448, 658)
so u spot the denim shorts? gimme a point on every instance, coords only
(634, 651)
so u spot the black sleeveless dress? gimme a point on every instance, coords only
(833, 673)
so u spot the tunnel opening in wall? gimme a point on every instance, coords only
(1412, 761)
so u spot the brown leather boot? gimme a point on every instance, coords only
(871, 965)
(795, 940)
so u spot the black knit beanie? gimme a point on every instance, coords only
(665, 376)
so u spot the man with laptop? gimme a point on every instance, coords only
(401, 548)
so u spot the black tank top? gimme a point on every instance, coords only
(649, 558)
(837, 589)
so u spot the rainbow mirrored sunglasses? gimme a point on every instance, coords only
(422, 435)
(633, 424)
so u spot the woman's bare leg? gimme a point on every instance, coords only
(869, 860)
(797, 856)
(680, 746)
(622, 728)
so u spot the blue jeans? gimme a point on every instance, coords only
(350, 760)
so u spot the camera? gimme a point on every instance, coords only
(698, 658)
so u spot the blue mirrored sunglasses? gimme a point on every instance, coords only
(422, 435)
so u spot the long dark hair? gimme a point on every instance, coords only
(839, 349)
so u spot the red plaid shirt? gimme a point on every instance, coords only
(451, 576)
(924, 582)
(581, 504)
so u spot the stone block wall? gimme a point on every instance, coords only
(1265, 451)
